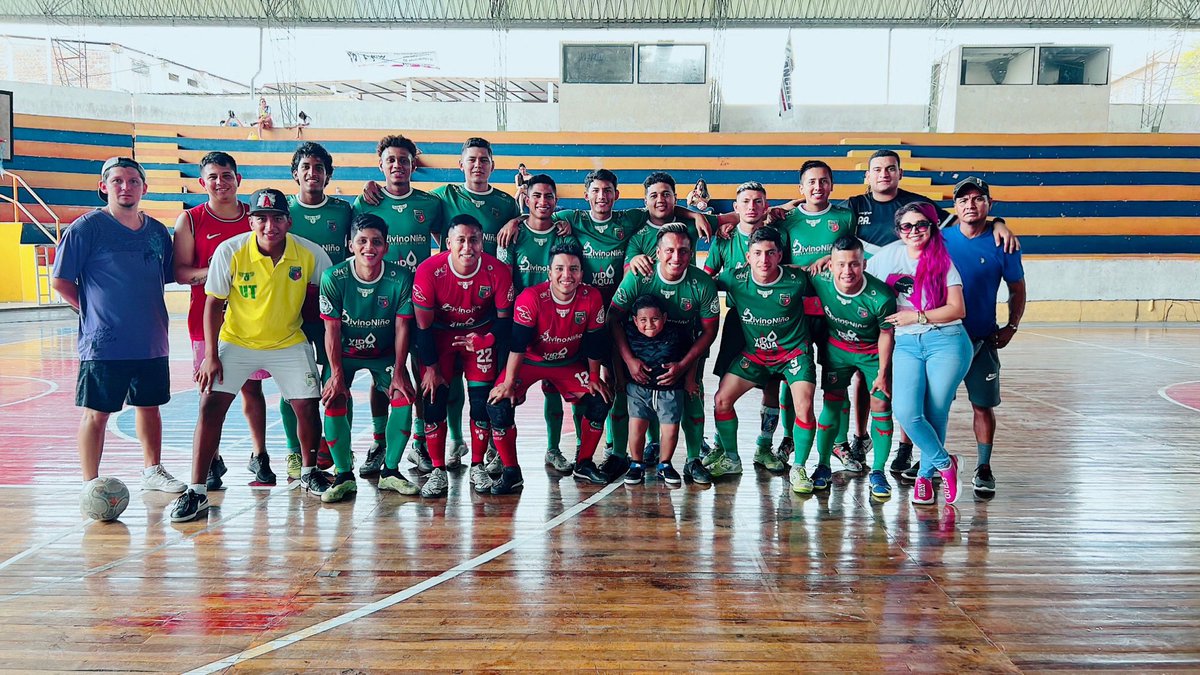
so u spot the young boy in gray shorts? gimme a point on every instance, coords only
(655, 342)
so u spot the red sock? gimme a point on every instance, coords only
(506, 445)
(480, 435)
(435, 441)
(380, 437)
(589, 438)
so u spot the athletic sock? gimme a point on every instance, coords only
(769, 422)
(727, 428)
(881, 439)
(985, 453)
(418, 427)
(552, 408)
(618, 424)
(843, 424)
(379, 428)
(199, 488)
(589, 438)
(289, 425)
(827, 425)
(435, 438)
(692, 425)
(454, 410)
(577, 419)
(506, 445)
(399, 426)
(337, 432)
(802, 437)
(481, 433)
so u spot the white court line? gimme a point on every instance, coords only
(53, 387)
(37, 547)
(407, 593)
(1163, 393)
(141, 554)
(1117, 349)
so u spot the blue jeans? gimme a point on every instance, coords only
(926, 371)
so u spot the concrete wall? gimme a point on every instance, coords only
(1136, 278)
(850, 118)
(633, 107)
(1030, 109)
(1177, 118)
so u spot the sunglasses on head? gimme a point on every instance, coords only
(919, 225)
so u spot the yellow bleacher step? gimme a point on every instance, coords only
(148, 146)
(904, 154)
(163, 173)
(879, 142)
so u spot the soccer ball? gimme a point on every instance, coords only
(104, 498)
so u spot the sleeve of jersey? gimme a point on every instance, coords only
(525, 309)
(220, 270)
(504, 288)
(710, 303)
(712, 263)
(888, 308)
(597, 312)
(405, 308)
(422, 288)
(437, 219)
(626, 293)
(330, 300)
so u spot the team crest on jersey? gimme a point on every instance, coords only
(862, 312)
(785, 299)
(419, 215)
(332, 225)
(383, 302)
(686, 304)
(523, 314)
(485, 291)
(294, 273)
(619, 233)
(312, 219)
(495, 212)
(745, 364)
(834, 227)
(246, 276)
(580, 317)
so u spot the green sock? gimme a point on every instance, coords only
(379, 424)
(454, 411)
(881, 439)
(552, 409)
(289, 426)
(337, 434)
(577, 418)
(802, 436)
(418, 426)
(618, 424)
(827, 426)
(727, 428)
(843, 424)
(398, 429)
(693, 424)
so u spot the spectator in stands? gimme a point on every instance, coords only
(698, 198)
(232, 120)
(112, 265)
(522, 181)
(264, 122)
(305, 120)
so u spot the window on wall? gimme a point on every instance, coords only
(172, 77)
(1073, 65)
(997, 65)
(597, 64)
(193, 83)
(672, 64)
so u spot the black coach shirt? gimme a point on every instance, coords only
(876, 221)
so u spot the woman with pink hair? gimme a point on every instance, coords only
(932, 352)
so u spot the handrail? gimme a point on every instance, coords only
(57, 234)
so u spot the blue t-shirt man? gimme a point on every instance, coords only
(982, 265)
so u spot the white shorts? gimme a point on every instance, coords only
(198, 358)
(294, 369)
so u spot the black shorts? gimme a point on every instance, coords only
(818, 332)
(732, 341)
(105, 386)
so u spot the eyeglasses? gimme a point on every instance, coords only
(921, 225)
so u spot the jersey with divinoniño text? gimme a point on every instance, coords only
(493, 209)
(772, 314)
(812, 234)
(208, 231)
(604, 244)
(368, 309)
(529, 255)
(691, 301)
(558, 327)
(855, 320)
(327, 225)
(727, 257)
(462, 302)
(412, 219)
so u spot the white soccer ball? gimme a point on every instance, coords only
(104, 498)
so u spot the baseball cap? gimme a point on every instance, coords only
(115, 162)
(972, 182)
(268, 200)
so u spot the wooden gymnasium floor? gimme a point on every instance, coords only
(1087, 558)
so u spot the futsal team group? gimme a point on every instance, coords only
(464, 297)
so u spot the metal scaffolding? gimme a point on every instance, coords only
(609, 13)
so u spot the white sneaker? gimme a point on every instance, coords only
(159, 479)
(480, 479)
(491, 462)
(454, 455)
(436, 485)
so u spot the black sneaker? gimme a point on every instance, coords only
(984, 482)
(586, 469)
(858, 448)
(667, 474)
(215, 471)
(694, 471)
(650, 454)
(510, 481)
(615, 467)
(909, 475)
(636, 475)
(315, 481)
(188, 506)
(902, 458)
(260, 466)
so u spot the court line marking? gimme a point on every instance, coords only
(1163, 393)
(141, 554)
(53, 387)
(1117, 349)
(37, 547)
(411, 591)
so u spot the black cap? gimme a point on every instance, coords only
(268, 200)
(972, 182)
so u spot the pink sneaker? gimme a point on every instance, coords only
(950, 481)
(923, 491)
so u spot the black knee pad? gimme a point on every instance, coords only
(477, 401)
(595, 408)
(501, 414)
(435, 408)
